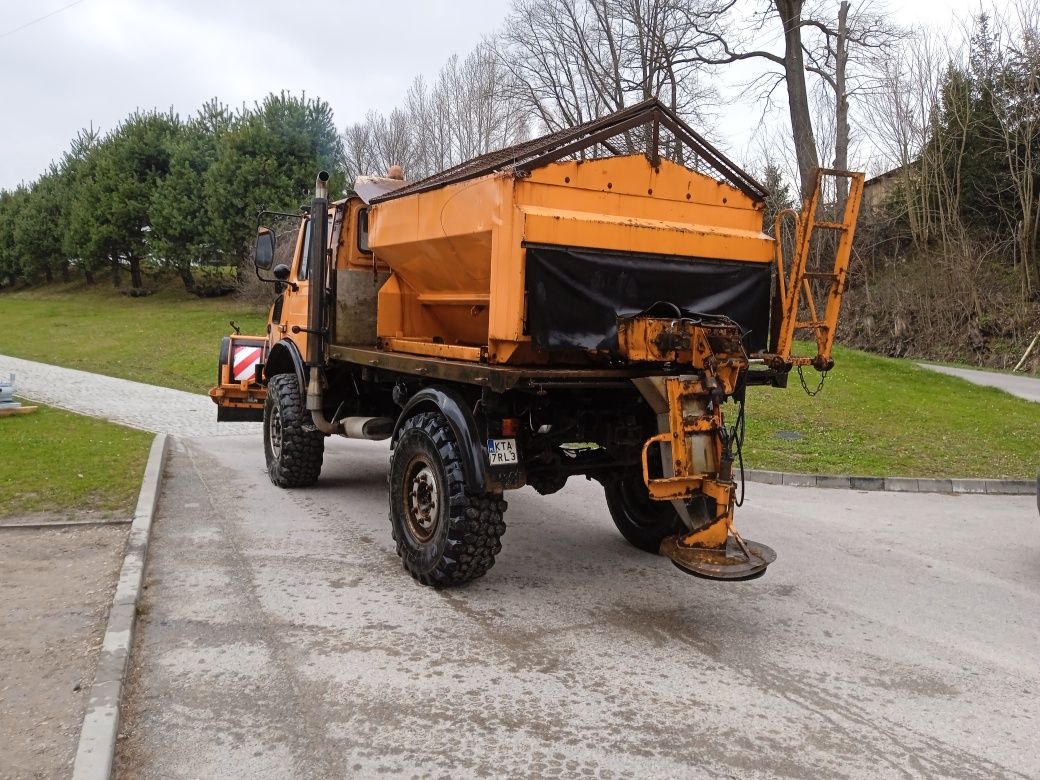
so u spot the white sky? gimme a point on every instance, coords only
(98, 60)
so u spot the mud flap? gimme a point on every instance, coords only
(240, 413)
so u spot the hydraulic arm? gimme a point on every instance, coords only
(697, 449)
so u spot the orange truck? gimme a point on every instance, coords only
(557, 308)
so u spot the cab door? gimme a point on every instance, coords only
(289, 308)
(289, 313)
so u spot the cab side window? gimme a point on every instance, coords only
(305, 254)
(362, 231)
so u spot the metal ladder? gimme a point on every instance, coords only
(796, 284)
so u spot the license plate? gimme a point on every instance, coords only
(501, 452)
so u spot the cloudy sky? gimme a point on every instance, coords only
(95, 61)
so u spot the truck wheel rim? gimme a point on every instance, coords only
(422, 500)
(276, 432)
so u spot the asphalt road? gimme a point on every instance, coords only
(1021, 385)
(896, 635)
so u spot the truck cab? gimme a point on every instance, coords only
(283, 256)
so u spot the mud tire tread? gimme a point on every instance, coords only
(643, 522)
(473, 525)
(303, 450)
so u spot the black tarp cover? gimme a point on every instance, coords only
(574, 296)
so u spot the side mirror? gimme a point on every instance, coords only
(263, 257)
(281, 272)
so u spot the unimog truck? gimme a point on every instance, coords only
(555, 309)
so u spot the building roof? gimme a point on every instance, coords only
(884, 176)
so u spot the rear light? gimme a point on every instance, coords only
(510, 426)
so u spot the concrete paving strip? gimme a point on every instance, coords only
(134, 404)
(97, 741)
(1026, 387)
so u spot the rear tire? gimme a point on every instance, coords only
(294, 452)
(645, 523)
(444, 536)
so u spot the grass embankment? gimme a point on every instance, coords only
(169, 339)
(878, 416)
(58, 462)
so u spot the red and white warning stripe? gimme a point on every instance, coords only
(243, 364)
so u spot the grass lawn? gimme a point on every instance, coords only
(169, 339)
(878, 416)
(55, 461)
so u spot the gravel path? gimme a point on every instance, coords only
(1027, 387)
(150, 408)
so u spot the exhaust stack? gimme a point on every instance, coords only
(316, 325)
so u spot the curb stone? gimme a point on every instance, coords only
(798, 480)
(969, 485)
(998, 487)
(868, 483)
(903, 484)
(833, 481)
(97, 740)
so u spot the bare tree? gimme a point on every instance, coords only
(377, 142)
(1016, 99)
(575, 60)
(724, 39)
(847, 58)
(898, 118)
(469, 110)
(358, 147)
(807, 39)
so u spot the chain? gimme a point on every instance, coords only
(805, 387)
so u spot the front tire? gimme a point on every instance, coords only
(644, 522)
(293, 447)
(444, 536)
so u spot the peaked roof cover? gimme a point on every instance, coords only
(369, 188)
(650, 115)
